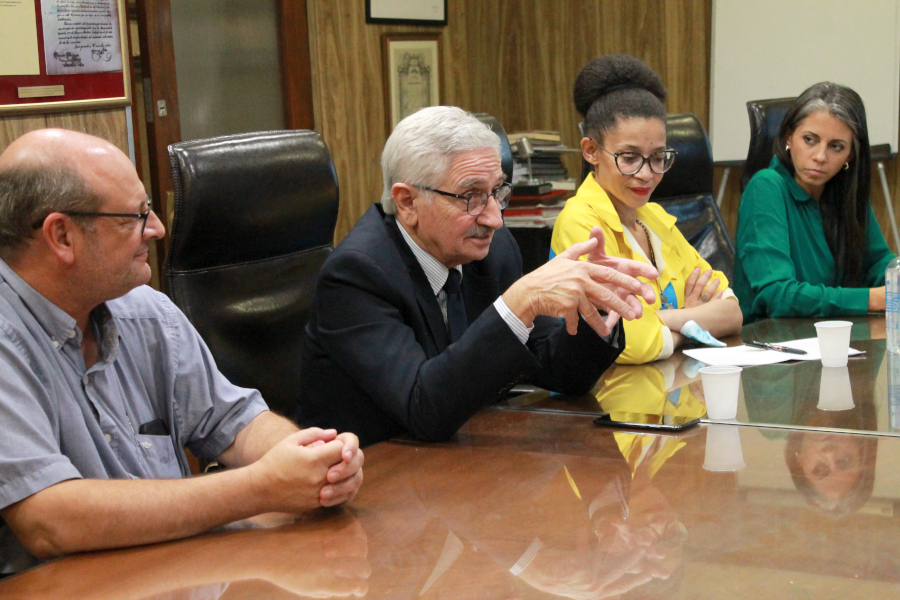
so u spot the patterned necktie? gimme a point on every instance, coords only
(456, 308)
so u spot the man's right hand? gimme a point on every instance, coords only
(291, 476)
(567, 287)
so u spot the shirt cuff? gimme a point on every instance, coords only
(518, 327)
(613, 338)
(668, 345)
(728, 293)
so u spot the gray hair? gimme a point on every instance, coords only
(422, 145)
(29, 194)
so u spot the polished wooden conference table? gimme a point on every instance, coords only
(791, 395)
(532, 500)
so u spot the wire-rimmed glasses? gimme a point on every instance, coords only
(78, 213)
(477, 200)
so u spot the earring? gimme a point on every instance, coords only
(787, 147)
(846, 165)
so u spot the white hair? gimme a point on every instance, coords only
(422, 145)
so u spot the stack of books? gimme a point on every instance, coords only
(546, 164)
(535, 211)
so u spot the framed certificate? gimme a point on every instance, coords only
(412, 74)
(63, 55)
(410, 12)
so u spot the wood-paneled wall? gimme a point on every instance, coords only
(514, 59)
(108, 124)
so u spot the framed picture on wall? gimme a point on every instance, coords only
(410, 12)
(63, 55)
(412, 67)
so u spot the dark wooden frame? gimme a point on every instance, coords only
(404, 21)
(389, 38)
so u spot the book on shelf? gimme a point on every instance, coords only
(529, 221)
(536, 137)
(551, 197)
(535, 210)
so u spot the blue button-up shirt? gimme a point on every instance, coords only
(155, 390)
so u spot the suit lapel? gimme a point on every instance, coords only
(425, 297)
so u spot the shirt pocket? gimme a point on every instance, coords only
(159, 456)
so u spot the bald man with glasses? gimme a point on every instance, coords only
(103, 381)
(421, 315)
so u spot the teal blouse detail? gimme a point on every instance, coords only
(783, 266)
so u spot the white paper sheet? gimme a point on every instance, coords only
(81, 36)
(18, 38)
(747, 356)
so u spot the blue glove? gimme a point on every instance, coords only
(695, 332)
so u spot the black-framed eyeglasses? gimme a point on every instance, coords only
(477, 201)
(77, 213)
(630, 163)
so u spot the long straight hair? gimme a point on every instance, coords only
(845, 200)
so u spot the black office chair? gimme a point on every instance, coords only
(506, 157)
(254, 221)
(686, 192)
(765, 119)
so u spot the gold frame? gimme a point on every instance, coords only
(90, 103)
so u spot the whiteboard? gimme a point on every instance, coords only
(777, 48)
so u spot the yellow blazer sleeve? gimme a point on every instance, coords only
(682, 261)
(573, 225)
(643, 336)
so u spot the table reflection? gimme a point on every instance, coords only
(527, 504)
(322, 557)
(784, 395)
(584, 525)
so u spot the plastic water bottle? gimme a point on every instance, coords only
(892, 305)
(894, 390)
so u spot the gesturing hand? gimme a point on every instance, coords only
(567, 287)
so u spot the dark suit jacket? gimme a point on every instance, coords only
(377, 359)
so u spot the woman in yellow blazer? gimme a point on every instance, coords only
(621, 100)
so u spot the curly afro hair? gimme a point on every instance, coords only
(614, 87)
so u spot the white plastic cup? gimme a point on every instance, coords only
(834, 342)
(723, 448)
(720, 388)
(834, 389)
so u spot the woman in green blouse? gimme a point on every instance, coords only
(808, 244)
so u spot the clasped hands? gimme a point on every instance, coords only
(308, 469)
(567, 287)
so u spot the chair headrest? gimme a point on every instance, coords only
(250, 196)
(765, 119)
(506, 157)
(692, 172)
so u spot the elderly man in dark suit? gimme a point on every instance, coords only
(422, 316)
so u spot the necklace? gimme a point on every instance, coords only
(663, 299)
(649, 243)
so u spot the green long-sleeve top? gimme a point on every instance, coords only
(783, 266)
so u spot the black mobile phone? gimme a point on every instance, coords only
(646, 421)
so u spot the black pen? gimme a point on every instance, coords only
(776, 347)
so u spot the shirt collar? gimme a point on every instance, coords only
(599, 199)
(56, 322)
(435, 270)
(797, 192)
